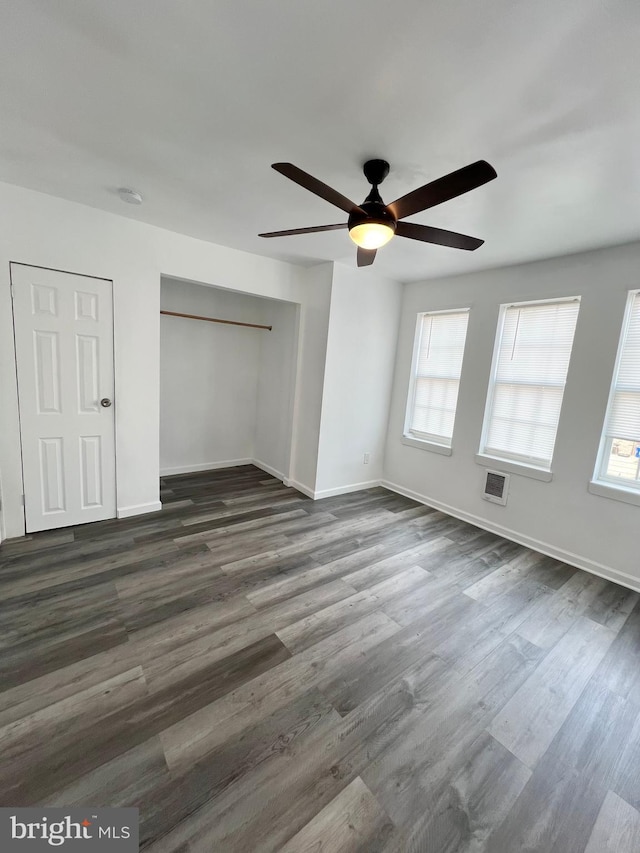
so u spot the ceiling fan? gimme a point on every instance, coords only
(373, 223)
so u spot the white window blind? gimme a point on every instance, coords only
(620, 458)
(623, 420)
(533, 347)
(438, 362)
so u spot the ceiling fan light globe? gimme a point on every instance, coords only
(371, 235)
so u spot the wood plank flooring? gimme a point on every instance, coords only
(259, 672)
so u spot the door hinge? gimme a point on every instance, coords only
(22, 499)
(13, 294)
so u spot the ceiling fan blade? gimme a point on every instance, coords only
(310, 230)
(315, 186)
(366, 257)
(451, 185)
(437, 235)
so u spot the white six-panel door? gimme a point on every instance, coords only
(64, 351)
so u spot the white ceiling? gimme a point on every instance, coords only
(190, 101)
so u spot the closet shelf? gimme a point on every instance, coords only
(216, 320)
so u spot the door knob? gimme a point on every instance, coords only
(105, 402)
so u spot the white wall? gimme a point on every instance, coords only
(2, 534)
(560, 517)
(208, 378)
(276, 378)
(46, 231)
(361, 347)
(313, 331)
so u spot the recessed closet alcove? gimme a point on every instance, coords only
(226, 390)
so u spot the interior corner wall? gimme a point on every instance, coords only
(277, 359)
(360, 357)
(560, 517)
(309, 383)
(45, 231)
(3, 534)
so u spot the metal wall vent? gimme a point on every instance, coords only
(496, 487)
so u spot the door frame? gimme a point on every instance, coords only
(15, 362)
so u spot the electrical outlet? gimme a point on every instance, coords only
(366, 458)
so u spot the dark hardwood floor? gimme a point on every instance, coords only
(256, 671)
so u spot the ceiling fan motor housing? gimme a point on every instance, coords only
(371, 211)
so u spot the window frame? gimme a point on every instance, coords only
(530, 466)
(429, 441)
(601, 483)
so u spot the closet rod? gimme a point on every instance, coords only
(215, 320)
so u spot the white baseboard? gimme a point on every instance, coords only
(268, 469)
(344, 490)
(576, 560)
(330, 493)
(204, 466)
(138, 509)
(300, 487)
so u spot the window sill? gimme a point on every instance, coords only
(614, 492)
(514, 467)
(421, 444)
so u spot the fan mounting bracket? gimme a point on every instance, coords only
(375, 171)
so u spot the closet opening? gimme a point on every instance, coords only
(227, 379)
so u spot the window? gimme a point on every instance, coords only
(433, 395)
(529, 371)
(619, 458)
